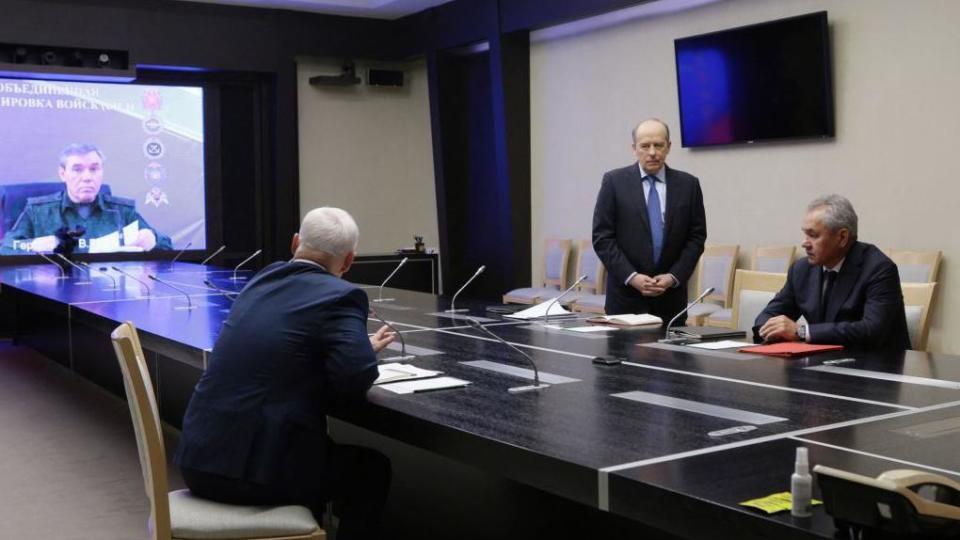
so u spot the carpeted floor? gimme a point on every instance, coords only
(68, 457)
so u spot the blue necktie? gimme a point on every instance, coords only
(656, 219)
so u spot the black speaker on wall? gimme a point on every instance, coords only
(385, 77)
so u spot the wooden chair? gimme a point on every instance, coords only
(916, 266)
(752, 291)
(556, 255)
(776, 259)
(715, 269)
(917, 300)
(179, 514)
(590, 297)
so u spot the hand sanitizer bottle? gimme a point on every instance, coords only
(801, 485)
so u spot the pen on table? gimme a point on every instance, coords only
(839, 361)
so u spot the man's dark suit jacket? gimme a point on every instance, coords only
(865, 310)
(621, 238)
(294, 348)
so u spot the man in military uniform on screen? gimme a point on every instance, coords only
(110, 223)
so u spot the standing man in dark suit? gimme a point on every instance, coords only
(294, 349)
(649, 227)
(848, 291)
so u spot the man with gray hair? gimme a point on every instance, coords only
(294, 349)
(848, 291)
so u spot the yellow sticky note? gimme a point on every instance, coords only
(778, 502)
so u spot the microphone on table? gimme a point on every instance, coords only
(245, 261)
(380, 297)
(403, 345)
(186, 247)
(68, 261)
(131, 276)
(546, 317)
(537, 385)
(669, 335)
(453, 302)
(174, 287)
(63, 275)
(212, 255)
(102, 270)
(228, 295)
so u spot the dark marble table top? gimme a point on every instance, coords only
(650, 438)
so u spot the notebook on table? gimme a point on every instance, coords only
(708, 332)
(790, 349)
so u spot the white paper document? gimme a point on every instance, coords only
(724, 344)
(588, 328)
(540, 310)
(399, 372)
(424, 385)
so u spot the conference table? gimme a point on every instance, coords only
(665, 444)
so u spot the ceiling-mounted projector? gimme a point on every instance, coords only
(347, 77)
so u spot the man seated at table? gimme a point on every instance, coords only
(294, 349)
(848, 291)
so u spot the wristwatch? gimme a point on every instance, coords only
(802, 332)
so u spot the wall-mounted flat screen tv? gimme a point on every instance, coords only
(762, 82)
(117, 167)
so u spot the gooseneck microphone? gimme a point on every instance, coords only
(669, 336)
(403, 345)
(174, 287)
(536, 372)
(453, 302)
(102, 270)
(133, 277)
(71, 263)
(186, 247)
(226, 294)
(63, 275)
(243, 262)
(380, 297)
(546, 317)
(212, 255)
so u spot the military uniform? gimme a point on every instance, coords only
(43, 216)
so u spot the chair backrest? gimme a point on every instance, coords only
(13, 198)
(752, 291)
(588, 264)
(775, 259)
(556, 255)
(916, 266)
(715, 269)
(917, 300)
(146, 424)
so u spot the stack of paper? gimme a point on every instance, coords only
(540, 310)
(400, 372)
(628, 319)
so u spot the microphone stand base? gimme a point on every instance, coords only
(529, 388)
(383, 299)
(461, 310)
(400, 358)
(679, 340)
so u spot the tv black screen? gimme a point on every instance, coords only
(761, 82)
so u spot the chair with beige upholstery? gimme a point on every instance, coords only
(916, 266)
(590, 297)
(776, 259)
(180, 514)
(752, 291)
(715, 269)
(917, 301)
(556, 255)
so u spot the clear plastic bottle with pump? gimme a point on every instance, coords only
(801, 485)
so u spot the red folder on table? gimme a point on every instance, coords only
(790, 349)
